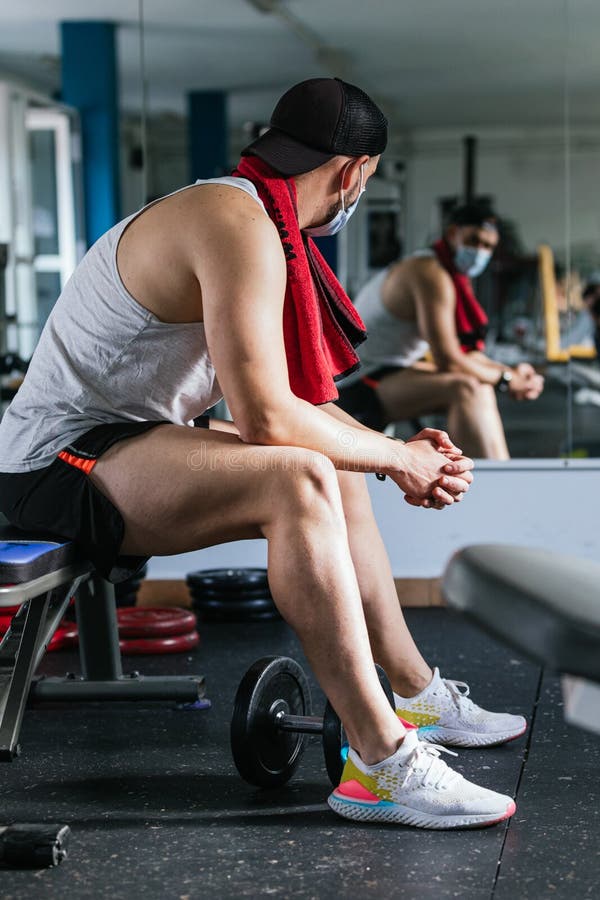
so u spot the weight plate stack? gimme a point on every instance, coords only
(126, 591)
(232, 595)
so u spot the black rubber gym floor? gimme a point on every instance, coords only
(157, 809)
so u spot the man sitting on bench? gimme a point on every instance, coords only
(221, 280)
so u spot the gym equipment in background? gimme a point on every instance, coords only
(126, 592)
(272, 718)
(544, 604)
(547, 278)
(232, 595)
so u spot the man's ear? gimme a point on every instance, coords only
(451, 233)
(351, 170)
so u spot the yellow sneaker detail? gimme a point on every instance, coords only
(353, 773)
(417, 718)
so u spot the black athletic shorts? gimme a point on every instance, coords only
(61, 500)
(360, 399)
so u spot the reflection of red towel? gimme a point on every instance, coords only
(471, 320)
(320, 325)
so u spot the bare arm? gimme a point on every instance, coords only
(435, 304)
(242, 274)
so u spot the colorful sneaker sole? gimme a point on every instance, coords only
(394, 813)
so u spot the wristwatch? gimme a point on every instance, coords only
(503, 383)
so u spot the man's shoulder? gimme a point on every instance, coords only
(224, 199)
(226, 216)
(418, 269)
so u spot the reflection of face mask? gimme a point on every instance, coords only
(471, 261)
(341, 217)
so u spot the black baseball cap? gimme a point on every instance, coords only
(316, 120)
(481, 216)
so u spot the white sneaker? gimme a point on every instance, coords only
(415, 787)
(444, 714)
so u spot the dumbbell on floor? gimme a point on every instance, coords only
(33, 846)
(272, 718)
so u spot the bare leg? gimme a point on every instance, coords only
(474, 422)
(391, 642)
(197, 488)
(474, 417)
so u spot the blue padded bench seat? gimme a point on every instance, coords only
(24, 556)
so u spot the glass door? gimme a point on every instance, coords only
(53, 219)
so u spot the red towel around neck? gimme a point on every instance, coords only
(471, 320)
(320, 325)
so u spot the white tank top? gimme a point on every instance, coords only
(390, 341)
(102, 357)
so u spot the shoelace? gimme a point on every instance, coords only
(460, 697)
(425, 761)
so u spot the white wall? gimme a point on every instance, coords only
(554, 505)
(524, 170)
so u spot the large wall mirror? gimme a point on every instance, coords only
(496, 103)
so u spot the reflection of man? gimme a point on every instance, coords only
(426, 302)
(222, 281)
(591, 298)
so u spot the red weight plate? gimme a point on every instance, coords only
(4, 624)
(65, 635)
(10, 610)
(178, 643)
(70, 635)
(142, 622)
(58, 640)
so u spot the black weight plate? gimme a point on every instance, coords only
(125, 600)
(232, 607)
(334, 736)
(385, 684)
(240, 611)
(200, 594)
(264, 755)
(268, 615)
(333, 739)
(228, 580)
(127, 587)
(133, 583)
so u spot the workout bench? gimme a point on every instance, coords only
(41, 573)
(544, 604)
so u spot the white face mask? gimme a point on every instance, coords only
(341, 217)
(471, 261)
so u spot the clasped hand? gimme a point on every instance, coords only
(436, 473)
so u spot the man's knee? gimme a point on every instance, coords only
(471, 390)
(308, 483)
(466, 386)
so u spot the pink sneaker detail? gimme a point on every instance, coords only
(408, 725)
(356, 791)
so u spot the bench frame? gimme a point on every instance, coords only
(44, 601)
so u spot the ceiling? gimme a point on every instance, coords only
(430, 63)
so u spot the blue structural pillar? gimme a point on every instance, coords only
(207, 124)
(329, 248)
(89, 83)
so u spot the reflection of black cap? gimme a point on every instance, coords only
(473, 214)
(317, 120)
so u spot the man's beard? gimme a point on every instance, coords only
(335, 208)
